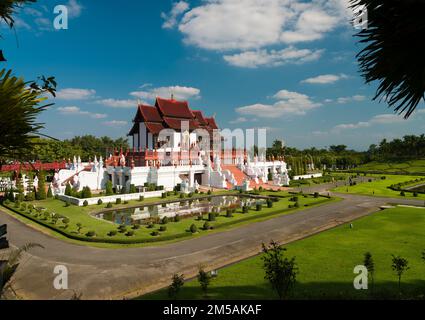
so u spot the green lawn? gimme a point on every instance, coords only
(326, 262)
(403, 167)
(379, 187)
(175, 230)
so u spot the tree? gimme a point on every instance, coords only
(423, 255)
(399, 266)
(41, 189)
(204, 279)
(9, 269)
(393, 52)
(370, 265)
(86, 193)
(108, 188)
(176, 285)
(280, 271)
(49, 193)
(19, 109)
(68, 190)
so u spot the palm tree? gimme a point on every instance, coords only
(11, 264)
(394, 51)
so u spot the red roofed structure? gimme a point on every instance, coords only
(166, 114)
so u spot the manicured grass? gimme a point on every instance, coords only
(174, 230)
(403, 167)
(326, 262)
(379, 187)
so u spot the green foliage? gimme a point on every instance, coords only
(206, 226)
(399, 266)
(118, 201)
(109, 205)
(86, 193)
(108, 188)
(193, 228)
(258, 207)
(163, 228)
(370, 265)
(68, 190)
(99, 202)
(211, 216)
(164, 220)
(91, 234)
(49, 193)
(280, 271)
(133, 188)
(176, 285)
(85, 203)
(204, 279)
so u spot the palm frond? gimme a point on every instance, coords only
(393, 52)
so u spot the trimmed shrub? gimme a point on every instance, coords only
(118, 201)
(415, 194)
(402, 193)
(130, 233)
(164, 195)
(269, 203)
(150, 225)
(163, 228)
(164, 220)
(122, 228)
(206, 226)
(316, 195)
(99, 202)
(297, 204)
(133, 188)
(109, 205)
(91, 234)
(229, 213)
(141, 198)
(135, 226)
(85, 203)
(112, 233)
(154, 233)
(209, 192)
(190, 195)
(245, 209)
(177, 218)
(193, 228)
(181, 195)
(211, 216)
(258, 207)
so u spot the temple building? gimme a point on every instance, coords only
(174, 146)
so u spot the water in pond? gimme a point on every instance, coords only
(181, 208)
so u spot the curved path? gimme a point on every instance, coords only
(118, 273)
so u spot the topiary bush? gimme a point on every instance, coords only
(135, 226)
(130, 233)
(154, 233)
(112, 233)
(141, 198)
(164, 220)
(118, 201)
(181, 195)
(163, 228)
(269, 203)
(211, 216)
(206, 226)
(85, 203)
(245, 209)
(91, 234)
(177, 218)
(193, 228)
(258, 207)
(99, 202)
(164, 195)
(229, 213)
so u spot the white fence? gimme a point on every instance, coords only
(111, 199)
(308, 176)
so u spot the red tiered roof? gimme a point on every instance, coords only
(211, 123)
(174, 108)
(176, 124)
(150, 114)
(170, 114)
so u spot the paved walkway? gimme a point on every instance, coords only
(119, 273)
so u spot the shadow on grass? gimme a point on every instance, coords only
(412, 290)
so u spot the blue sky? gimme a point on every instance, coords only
(286, 65)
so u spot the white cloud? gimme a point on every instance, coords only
(75, 94)
(355, 98)
(288, 103)
(115, 123)
(171, 18)
(254, 59)
(239, 120)
(325, 79)
(253, 24)
(179, 92)
(115, 103)
(378, 119)
(74, 8)
(76, 111)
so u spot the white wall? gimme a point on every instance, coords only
(111, 199)
(308, 176)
